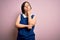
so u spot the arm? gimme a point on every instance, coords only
(18, 24)
(30, 20)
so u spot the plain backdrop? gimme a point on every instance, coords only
(48, 19)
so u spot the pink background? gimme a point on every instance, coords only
(48, 19)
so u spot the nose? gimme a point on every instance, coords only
(26, 6)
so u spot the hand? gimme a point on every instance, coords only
(29, 26)
(29, 12)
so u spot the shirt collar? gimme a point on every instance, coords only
(24, 16)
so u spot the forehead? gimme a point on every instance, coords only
(26, 4)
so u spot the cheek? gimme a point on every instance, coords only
(25, 8)
(28, 7)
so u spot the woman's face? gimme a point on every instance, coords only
(27, 7)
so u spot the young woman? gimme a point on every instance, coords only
(26, 23)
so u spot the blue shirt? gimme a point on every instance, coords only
(25, 32)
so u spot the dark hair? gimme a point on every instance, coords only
(22, 6)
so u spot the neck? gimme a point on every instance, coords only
(26, 13)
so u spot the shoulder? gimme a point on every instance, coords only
(20, 13)
(33, 15)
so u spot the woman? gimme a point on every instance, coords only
(26, 23)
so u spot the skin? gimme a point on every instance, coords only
(31, 21)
